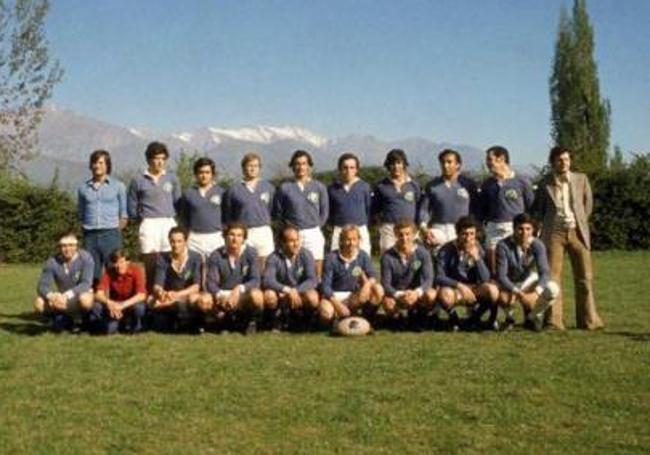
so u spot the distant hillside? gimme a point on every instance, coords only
(67, 138)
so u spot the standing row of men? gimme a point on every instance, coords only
(154, 198)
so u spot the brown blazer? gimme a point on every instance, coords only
(582, 203)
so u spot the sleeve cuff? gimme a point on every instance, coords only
(539, 290)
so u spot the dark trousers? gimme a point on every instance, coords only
(100, 243)
(131, 322)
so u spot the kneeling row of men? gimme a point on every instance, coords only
(229, 288)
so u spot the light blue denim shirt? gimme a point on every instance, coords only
(101, 207)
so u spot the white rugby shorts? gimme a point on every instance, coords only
(495, 232)
(153, 235)
(364, 237)
(205, 243)
(313, 241)
(261, 238)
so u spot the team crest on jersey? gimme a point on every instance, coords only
(167, 186)
(187, 275)
(265, 197)
(409, 196)
(313, 197)
(356, 271)
(462, 192)
(299, 271)
(512, 194)
(216, 199)
(244, 270)
(416, 265)
(77, 276)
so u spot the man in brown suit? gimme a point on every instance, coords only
(563, 204)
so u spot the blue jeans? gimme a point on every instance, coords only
(100, 243)
(102, 323)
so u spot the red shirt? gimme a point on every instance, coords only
(122, 287)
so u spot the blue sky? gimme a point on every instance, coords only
(464, 71)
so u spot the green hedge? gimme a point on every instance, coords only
(621, 218)
(31, 217)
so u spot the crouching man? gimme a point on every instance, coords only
(233, 281)
(407, 276)
(71, 270)
(524, 275)
(120, 297)
(177, 283)
(463, 275)
(289, 280)
(349, 285)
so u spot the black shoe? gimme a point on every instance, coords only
(454, 322)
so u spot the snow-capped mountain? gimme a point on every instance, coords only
(67, 138)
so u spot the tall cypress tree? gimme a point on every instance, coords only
(579, 118)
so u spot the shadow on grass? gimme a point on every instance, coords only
(25, 329)
(25, 316)
(26, 323)
(643, 337)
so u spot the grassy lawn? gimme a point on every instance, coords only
(515, 392)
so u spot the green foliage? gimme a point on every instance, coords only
(27, 78)
(579, 118)
(32, 216)
(390, 393)
(622, 206)
(185, 168)
(616, 162)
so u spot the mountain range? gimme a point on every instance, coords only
(67, 138)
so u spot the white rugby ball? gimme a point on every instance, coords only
(353, 326)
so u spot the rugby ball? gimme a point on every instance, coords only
(353, 326)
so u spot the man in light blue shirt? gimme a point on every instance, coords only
(102, 211)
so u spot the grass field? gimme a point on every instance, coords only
(516, 392)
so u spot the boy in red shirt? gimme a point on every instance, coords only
(120, 296)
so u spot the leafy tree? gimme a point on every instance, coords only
(185, 168)
(27, 77)
(616, 163)
(579, 118)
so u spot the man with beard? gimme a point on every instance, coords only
(349, 284)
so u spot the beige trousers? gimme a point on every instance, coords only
(580, 257)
